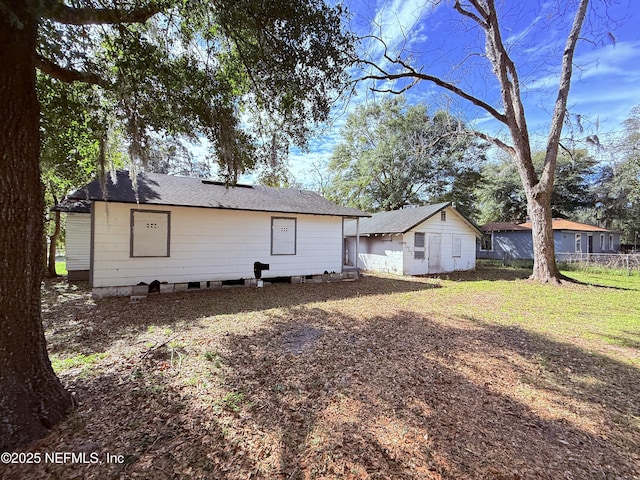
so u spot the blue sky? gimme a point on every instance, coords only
(436, 39)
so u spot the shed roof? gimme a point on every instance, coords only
(403, 220)
(160, 189)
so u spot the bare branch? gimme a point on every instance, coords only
(416, 75)
(563, 94)
(496, 141)
(68, 75)
(59, 12)
(458, 7)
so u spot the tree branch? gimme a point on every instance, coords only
(68, 75)
(457, 6)
(416, 75)
(497, 142)
(563, 94)
(61, 13)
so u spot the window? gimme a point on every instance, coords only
(418, 245)
(456, 246)
(610, 242)
(578, 242)
(486, 242)
(283, 236)
(602, 245)
(150, 233)
(443, 216)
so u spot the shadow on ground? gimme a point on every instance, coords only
(78, 325)
(407, 397)
(319, 393)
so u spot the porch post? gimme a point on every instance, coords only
(357, 242)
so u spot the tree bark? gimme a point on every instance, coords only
(53, 240)
(545, 268)
(32, 398)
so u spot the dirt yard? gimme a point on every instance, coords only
(381, 378)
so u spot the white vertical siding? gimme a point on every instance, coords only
(455, 227)
(78, 241)
(211, 244)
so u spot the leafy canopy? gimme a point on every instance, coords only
(187, 68)
(392, 155)
(502, 195)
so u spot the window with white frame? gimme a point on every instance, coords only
(610, 242)
(283, 236)
(486, 242)
(418, 245)
(602, 245)
(150, 232)
(456, 246)
(578, 242)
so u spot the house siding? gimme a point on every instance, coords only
(78, 241)
(518, 245)
(211, 245)
(396, 254)
(383, 253)
(454, 226)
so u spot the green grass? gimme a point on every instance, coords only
(85, 362)
(603, 306)
(61, 268)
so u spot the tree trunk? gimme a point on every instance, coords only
(32, 398)
(53, 240)
(545, 269)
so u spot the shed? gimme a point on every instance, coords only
(179, 230)
(415, 241)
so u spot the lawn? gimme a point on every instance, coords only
(481, 375)
(61, 268)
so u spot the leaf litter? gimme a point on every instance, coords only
(361, 380)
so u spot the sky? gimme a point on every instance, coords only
(437, 40)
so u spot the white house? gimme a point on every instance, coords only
(414, 241)
(187, 231)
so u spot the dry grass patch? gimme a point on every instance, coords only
(381, 378)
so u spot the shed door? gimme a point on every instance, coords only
(434, 252)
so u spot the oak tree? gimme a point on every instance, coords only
(169, 67)
(392, 154)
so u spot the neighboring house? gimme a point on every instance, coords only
(510, 241)
(414, 241)
(182, 230)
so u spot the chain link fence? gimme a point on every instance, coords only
(618, 261)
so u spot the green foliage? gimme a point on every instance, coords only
(70, 135)
(392, 155)
(502, 194)
(202, 69)
(616, 185)
(213, 357)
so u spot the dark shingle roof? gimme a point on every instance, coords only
(502, 227)
(159, 189)
(70, 205)
(400, 221)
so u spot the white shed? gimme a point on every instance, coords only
(415, 241)
(177, 230)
